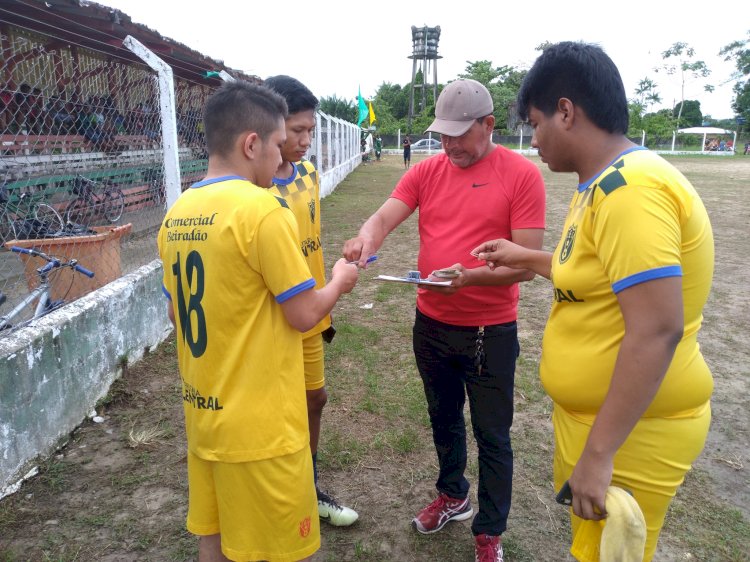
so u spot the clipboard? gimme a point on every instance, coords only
(413, 281)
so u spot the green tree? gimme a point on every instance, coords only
(483, 71)
(395, 98)
(391, 106)
(739, 52)
(391, 101)
(503, 83)
(741, 103)
(646, 93)
(659, 126)
(635, 112)
(541, 47)
(341, 108)
(386, 123)
(691, 114)
(679, 62)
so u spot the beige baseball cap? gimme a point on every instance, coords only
(458, 105)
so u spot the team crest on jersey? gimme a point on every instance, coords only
(311, 206)
(567, 247)
(304, 527)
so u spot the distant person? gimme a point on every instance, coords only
(465, 335)
(297, 181)
(6, 101)
(88, 124)
(37, 116)
(62, 121)
(747, 149)
(240, 293)
(378, 147)
(631, 275)
(407, 152)
(20, 110)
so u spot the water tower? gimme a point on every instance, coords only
(425, 55)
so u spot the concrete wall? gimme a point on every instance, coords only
(332, 178)
(53, 372)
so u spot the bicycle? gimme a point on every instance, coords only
(91, 202)
(156, 187)
(26, 216)
(40, 294)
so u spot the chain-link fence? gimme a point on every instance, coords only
(82, 167)
(81, 170)
(334, 150)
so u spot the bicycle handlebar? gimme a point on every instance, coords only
(53, 263)
(20, 250)
(81, 269)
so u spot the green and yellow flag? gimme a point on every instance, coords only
(363, 111)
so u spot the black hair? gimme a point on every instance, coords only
(585, 75)
(238, 107)
(298, 97)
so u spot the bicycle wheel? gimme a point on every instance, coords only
(79, 212)
(50, 219)
(113, 204)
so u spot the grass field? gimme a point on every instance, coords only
(117, 491)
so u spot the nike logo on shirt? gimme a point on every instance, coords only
(479, 184)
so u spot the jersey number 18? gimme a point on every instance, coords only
(194, 334)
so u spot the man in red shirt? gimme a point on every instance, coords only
(465, 336)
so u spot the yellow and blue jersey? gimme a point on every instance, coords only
(230, 256)
(301, 191)
(640, 219)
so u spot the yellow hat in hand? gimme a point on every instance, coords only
(624, 533)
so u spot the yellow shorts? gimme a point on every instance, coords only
(264, 510)
(313, 356)
(651, 464)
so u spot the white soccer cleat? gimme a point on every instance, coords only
(335, 514)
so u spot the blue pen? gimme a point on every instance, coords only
(369, 260)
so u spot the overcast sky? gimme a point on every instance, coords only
(336, 46)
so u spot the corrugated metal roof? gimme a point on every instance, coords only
(101, 28)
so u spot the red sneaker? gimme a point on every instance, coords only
(445, 508)
(488, 549)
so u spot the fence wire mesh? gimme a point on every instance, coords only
(82, 174)
(81, 168)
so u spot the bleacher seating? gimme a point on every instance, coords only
(41, 144)
(66, 144)
(132, 179)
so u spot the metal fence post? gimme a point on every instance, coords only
(318, 144)
(167, 105)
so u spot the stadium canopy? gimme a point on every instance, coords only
(705, 131)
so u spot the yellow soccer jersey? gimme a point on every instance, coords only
(301, 191)
(639, 220)
(229, 252)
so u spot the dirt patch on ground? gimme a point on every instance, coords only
(117, 492)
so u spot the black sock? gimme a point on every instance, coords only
(315, 468)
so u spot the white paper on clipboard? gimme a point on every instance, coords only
(413, 281)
